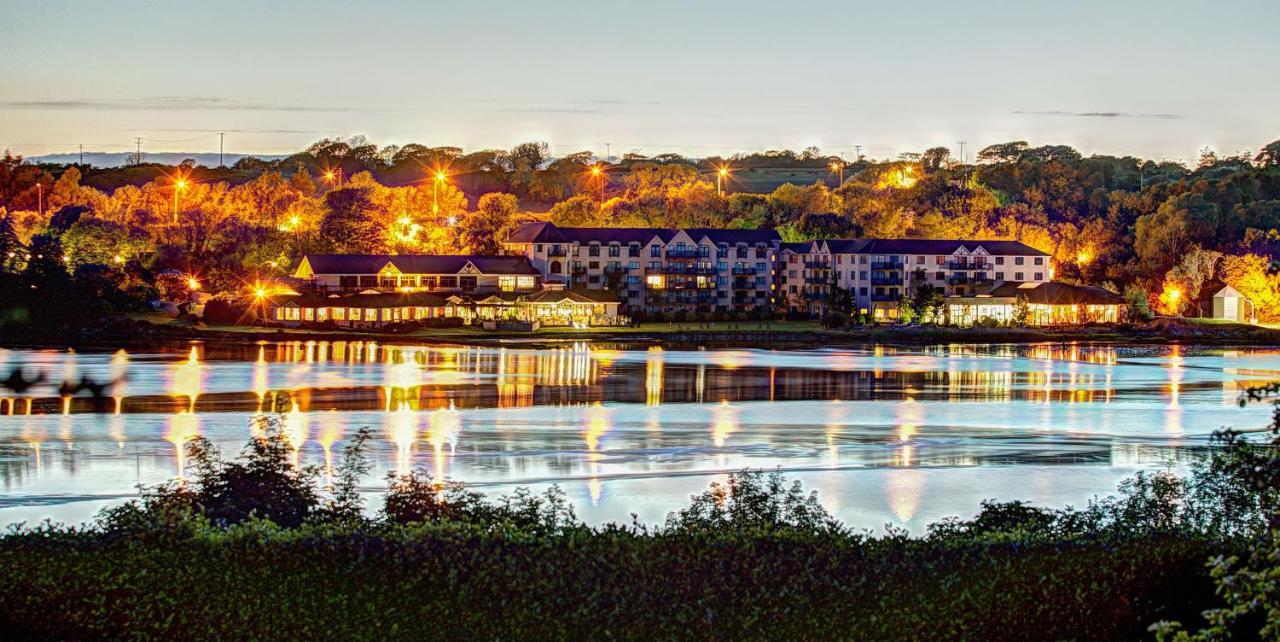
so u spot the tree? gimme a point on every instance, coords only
(484, 230)
(577, 211)
(1003, 152)
(1164, 236)
(1269, 156)
(97, 241)
(934, 159)
(1249, 274)
(533, 154)
(350, 225)
(302, 183)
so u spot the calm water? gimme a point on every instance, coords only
(902, 435)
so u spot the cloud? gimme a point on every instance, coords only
(159, 103)
(234, 131)
(1098, 114)
(550, 110)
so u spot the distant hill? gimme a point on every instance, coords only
(120, 159)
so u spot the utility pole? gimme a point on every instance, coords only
(82, 153)
(857, 153)
(138, 155)
(961, 151)
(608, 155)
(220, 136)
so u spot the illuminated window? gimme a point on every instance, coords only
(507, 283)
(339, 314)
(655, 281)
(527, 282)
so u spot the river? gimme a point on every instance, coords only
(886, 434)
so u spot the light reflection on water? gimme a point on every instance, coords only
(885, 434)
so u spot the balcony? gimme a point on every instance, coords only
(682, 254)
(886, 265)
(744, 284)
(557, 252)
(886, 297)
(966, 265)
(615, 270)
(744, 271)
(681, 269)
(958, 279)
(886, 280)
(817, 265)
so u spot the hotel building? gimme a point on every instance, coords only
(656, 269)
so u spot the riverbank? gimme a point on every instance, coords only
(155, 328)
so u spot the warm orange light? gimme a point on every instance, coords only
(404, 220)
(595, 171)
(117, 259)
(441, 176)
(1084, 257)
(834, 167)
(193, 283)
(259, 292)
(1175, 294)
(328, 176)
(724, 171)
(181, 184)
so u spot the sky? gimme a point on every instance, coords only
(1153, 79)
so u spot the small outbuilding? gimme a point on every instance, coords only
(1230, 305)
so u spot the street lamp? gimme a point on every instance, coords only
(838, 166)
(721, 174)
(178, 186)
(435, 191)
(40, 199)
(598, 172)
(333, 178)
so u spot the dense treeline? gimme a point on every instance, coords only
(260, 548)
(1132, 225)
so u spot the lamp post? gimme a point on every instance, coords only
(599, 173)
(838, 166)
(435, 192)
(178, 186)
(721, 174)
(40, 199)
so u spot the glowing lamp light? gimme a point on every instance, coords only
(181, 184)
(329, 176)
(724, 171)
(193, 283)
(404, 220)
(440, 176)
(595, 171)
(117, 258)
(259, 292)
(1084, 257)
(295, 220)
(1175, 294)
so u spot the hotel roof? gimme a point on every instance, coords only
(417, 263)
(1053, 293)
(544, 232)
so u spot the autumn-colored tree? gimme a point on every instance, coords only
(1249, 275)
(351, 224)
(484, 230)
